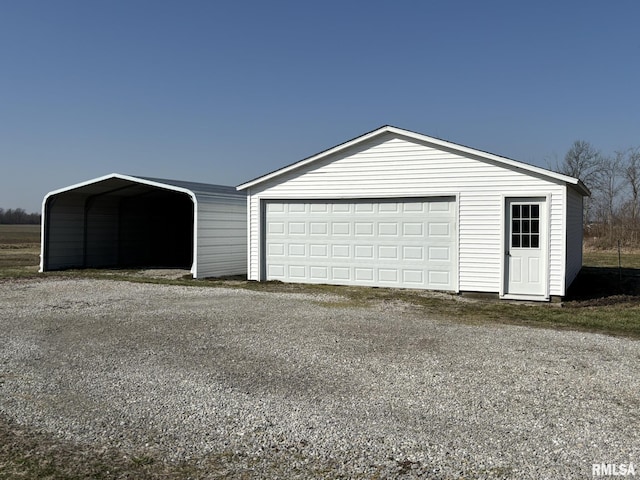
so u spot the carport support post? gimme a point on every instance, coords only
(44, 238)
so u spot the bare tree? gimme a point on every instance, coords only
(581, 161)
(613, 211)
(607, 182)
(632, 176)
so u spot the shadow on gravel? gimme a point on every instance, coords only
(605, 286)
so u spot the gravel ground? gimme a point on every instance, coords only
(274, 385)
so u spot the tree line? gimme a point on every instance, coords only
(612, 213)
(12, 216)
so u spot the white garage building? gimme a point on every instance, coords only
(394, 208)
(127, 221)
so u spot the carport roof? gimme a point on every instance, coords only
(125, 185)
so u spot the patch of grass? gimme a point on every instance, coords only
(609, 258)
(603, 298)
(29, 454)
(617, 315)
(620, 319)
(19, 250)
(17, 234)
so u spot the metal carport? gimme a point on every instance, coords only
(119, 221)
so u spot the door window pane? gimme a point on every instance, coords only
(535, 242)
(535, 211)
(535, 225)
(525, 226)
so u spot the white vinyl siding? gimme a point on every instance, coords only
(574, 235)
(390, 165)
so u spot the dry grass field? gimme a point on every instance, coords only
(19, 246)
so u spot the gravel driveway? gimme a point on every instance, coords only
(289, 385)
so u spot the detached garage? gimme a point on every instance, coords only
(394, 208)
(138, 222)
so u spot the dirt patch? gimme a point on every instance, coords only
(165, 273)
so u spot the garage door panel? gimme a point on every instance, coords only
(364, 252)
(388, 275)
(341, 228)
(297, 271)
(387, 252)
(276, 271)
(297, 208)
(276, 249)
(367, 242)
(274, 207)
(364, 207)
(364, 229)
(297, 228)
(415, 252)
(319, 251)
(341, 208)
(341, 273)
(439, 254)
(388, 207)
(318, 273)
(387, 229)
(440, 207)
(297, 250)
(414, 207)
(439, 229)
(319, 228)
(319, 208)
(340, 251)
(413, 229)
(439, 277)
(276, 228)
(415, 277)
(364, 274)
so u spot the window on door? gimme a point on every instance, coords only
(525, 226)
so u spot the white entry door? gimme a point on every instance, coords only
(525, 247)
(392, 243)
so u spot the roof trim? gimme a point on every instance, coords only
(574, 182)
(120, 176)
(197, 190)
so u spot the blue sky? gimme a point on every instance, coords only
(222, 92)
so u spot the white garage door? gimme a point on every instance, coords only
(397, 243)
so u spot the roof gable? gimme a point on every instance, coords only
(115, 182)
(432, 141)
